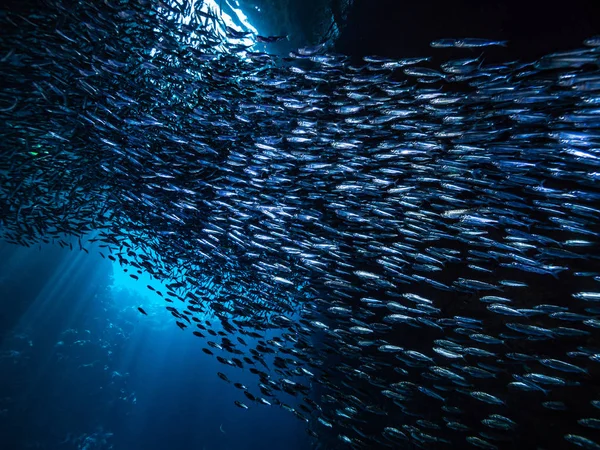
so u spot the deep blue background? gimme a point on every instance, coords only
(58, 387)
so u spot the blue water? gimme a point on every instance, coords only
(82, 368)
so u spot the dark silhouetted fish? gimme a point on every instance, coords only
(409, 252)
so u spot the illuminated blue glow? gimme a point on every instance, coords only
(122, 281)
(242, 18)
(212, 7)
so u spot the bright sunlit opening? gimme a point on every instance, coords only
(122, 281)
(237, 21)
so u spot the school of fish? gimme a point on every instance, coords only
(406, 256)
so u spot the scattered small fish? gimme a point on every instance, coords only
(380, 242)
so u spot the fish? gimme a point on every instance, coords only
(395, 244)
(271, 39)
(223, 377)
(467, 43)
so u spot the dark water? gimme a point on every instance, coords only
(81, 367)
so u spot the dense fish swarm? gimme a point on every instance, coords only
(424, 239)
